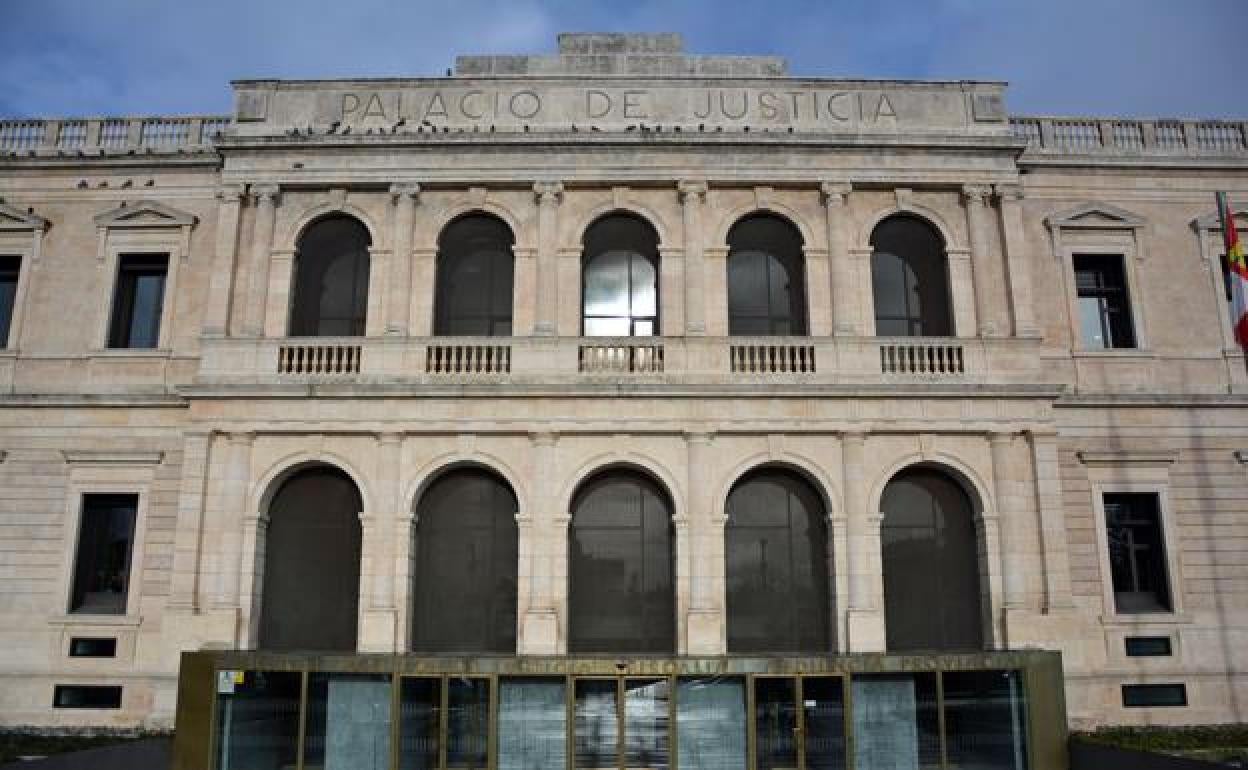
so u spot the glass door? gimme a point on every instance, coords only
(622, 724)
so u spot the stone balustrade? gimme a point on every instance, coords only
(1096, 136)
(110, 135)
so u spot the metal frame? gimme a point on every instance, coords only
(1044, 706)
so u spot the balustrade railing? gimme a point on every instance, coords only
(779, 358)
(1078, 136)
(922, 358)
(622, 358)
(319, 359)
(468, 359)
(110, 134)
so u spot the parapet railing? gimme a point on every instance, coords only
(111, 135)
(1078, 136)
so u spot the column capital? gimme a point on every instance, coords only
(230, 193)
(691, 190)
(834, 192)
(1011, 191)
(548, 193)
(976, 194)
(401, 190)
(265, 193)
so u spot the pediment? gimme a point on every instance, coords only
(1096, 216)
(145, 214)
(13, 218)
(1212, 221)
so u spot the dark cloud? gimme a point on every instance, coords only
(1103, 57)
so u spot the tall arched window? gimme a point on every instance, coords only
(620, 278)
(621, 596)
(311, 583)
(464, 582)
(766, 278)
(931, 564)
(331, 279)
(909, 279)
(475, 269)
(776, 565)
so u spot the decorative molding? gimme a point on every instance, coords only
(691, 190)
(548, 193)
(13, 218)
(1212, 221)
(144, 214)
(401, 189)
(835, 193)
(1137, 457)
(1095, 216)
(111, 457)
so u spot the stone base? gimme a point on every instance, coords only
(865, 631)
(539, 633)
(704, 632)
(376, 632)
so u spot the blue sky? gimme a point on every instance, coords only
(1074, 57)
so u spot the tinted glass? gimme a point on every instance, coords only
(102, 561)
(776, 545)
(475, 271)
(775, 723)
(331, 279)
(621, 596)
(710, 723)
(467, 723)
(1104, 307)
(597, 728)
(138, 301)
(532, 723)
(348, 725)
(464, 584)
(312, 564)
(1137, 553)
(985, 719)
(86, 696)
(1154, 695)
(909, 279)
(420, 709)
(766, 282)
(931, 564)
(895, 721)
(620, 279)
(823, 722)
(258, 721)
(10, 267)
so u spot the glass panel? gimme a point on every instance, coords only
(645, 287)
(597, 724)
(419, 708)
(102, 563)
(475, 272)
(137, 301)
(607, 327)
(823, 714)
(710, 724)
(775, 723)
(606, 284)
(9, 270)
(895, 722)
(331, 279)
(258, 721)
(909, 277)
(1137, 553)
(467, 723)
(985, 720)
(1091, 323)
(646, 717)
(532, 724)
(348, 722)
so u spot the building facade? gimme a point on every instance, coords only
(620, 351)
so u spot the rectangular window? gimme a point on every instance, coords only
(1154, 695)
(10, 268)
(1148, 647)
(138, 301)
(1137, 552)
(102, 562)
(92, 647)
(1104, 307)
(86, 696)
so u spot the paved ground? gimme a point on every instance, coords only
(150, 754)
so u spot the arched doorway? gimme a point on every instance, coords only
(464, 581)
(776, 565)
(311, 583)
(621, 597)
(931, 563)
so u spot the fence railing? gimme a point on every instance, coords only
(110, 134)
(1076, 136)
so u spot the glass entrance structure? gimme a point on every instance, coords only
(272, 711)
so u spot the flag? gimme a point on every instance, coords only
(1237, 266)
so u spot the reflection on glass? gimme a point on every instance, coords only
(909, 279)
(646, 724)
(823, 716)
(620, 286)
(532, 724)
(985, 720)
(257, 720)
(606, 284)
(775, 723)
(348, 722)
(597, 724)
(710, 723)
(467, 723)
(895, 722)
(419, 706)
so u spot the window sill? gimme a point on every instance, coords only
(132, 353)
(86, 619)
(1147, 619)
(1116, 353)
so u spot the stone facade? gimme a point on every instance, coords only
(208, 423)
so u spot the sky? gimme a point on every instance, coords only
(1135, 58)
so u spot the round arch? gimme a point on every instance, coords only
(445, 463)
(925, 214)
(325, 210)
(459, 209)
(767, 208)
(803, 466)
(608, 461)
(261, 493)
(971, 481)
(662, 232)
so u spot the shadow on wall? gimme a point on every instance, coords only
(1094, 756)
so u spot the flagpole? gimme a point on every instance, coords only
(1237, 269)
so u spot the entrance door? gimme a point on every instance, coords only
(799, 723)
(622, 723)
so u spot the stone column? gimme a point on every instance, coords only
(692, 196)
(548, 195)
(424, 277)
(277, 299)
(221, 279)
(543, 550)
(705, 631)
(715, 275)
(865, 620)
(1010, 511)
(183, 592)
(1018, 274)
(235, 479)
(962, 293)
(975, 197)
(1053, 540)
(405, 196)
(265, 197)
(846, 289)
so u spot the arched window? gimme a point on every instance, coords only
(311, 583)
(475, 269)
(621, 597)
(331, 279)
(931, 564)
(909, 279)
(776, 565)
(620, 278)
(464, 582)
(766, 281)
